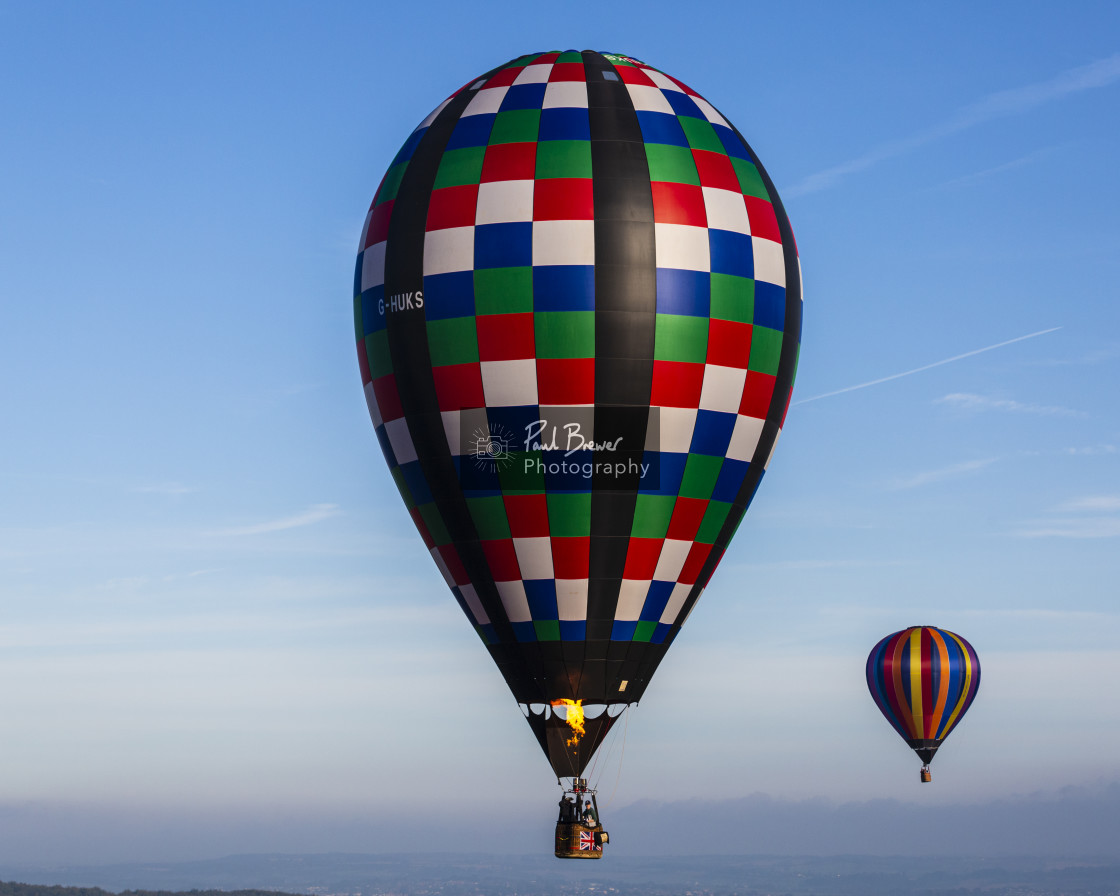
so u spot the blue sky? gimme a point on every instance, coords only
(210, 593)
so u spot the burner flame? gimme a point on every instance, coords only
(574, 719)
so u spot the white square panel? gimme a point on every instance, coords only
(649, 99)
(676, 601)
(566, 242)
(723, 388)
(365, 229)
(534, 74)
(453, 430)
(769, 261)
(661, 80)
(509, 383)
(373, 266)
(503, 201)
(471, 599)
(534, 557)
(631, 598)
(682, 246)
(486, 101)
(709, 111)
(371, 402)
(674, 552)
(401, 440)
(441, 565)
(744, 438)
(726, 210)
(571, 599)
(449, 250)
(676, 430)
(514, 601)
(565, 95)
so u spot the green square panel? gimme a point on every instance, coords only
(453, 340)
(766, 350)
(563, 158)
(547, 629)
(516, 126)
(569, 515)
(700, 134)
(489, 515)
(700, 473)
(651, 516)
(750, 181)
(671, 163)
(460, 166)
(713, 521)
(359, 321)
(644, 630)
(732, 298)
(377, 354)
(522, 474)
(392, 183)
(402, 487)
(432, 519)
(570, 56)
(681, 337)
(503, 290)
(565, 334)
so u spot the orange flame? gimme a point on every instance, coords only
(574, 718)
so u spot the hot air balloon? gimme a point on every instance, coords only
(578, 308)
(923, 680)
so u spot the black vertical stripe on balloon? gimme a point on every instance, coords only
(625, 321)
(783, 384)
(412, 365)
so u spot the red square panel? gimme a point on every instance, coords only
(715, 170)
(528, 515)
(631, 74)
(678, 204)
(363, 362)
(764, 222)
(687, 516)
(458, 386)
(452, 207)
(676, 384)
(757, 392)
(565, 381)
(505, 337)
(502, 559)
(563, 199)
(454, 565)
(567, 71)
(378, 230)
(729, 343)
(641, 558)
(571, 557)
(388, 399)
(546, 58)
(504, 78)
(719, 555)
(509, 161)
(422, 528)
(694, 563)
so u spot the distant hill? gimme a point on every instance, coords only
(15, 889)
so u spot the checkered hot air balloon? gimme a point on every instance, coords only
(923, 679)
(578, 308)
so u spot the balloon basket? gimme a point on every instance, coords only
(926, 776)
(578, 841)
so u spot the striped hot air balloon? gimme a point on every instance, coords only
(923, 680)
(577, 304)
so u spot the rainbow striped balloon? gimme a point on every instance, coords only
(923, 679)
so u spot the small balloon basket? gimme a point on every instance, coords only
(579, 834)
(926, 776)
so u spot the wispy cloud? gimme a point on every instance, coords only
(982, 175)
(314, 514)
(1092, 516)
(1091, 450)
(1000, 104)
(939, 475)
(895, 376)
(968, 401)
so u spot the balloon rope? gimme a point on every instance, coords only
(622, 755)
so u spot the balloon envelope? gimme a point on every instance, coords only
(578, 308)
(923, 679)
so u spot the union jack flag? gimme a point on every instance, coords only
(586, 840)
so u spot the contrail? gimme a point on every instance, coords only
(895, 376)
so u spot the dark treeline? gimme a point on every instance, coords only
(14, 889)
